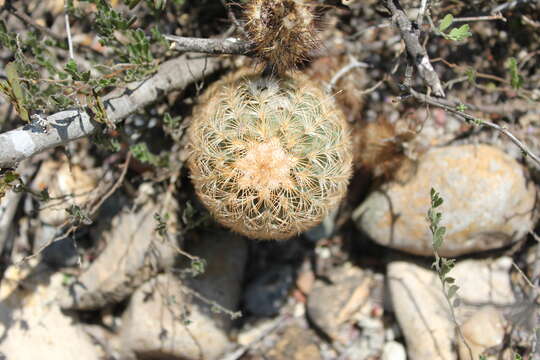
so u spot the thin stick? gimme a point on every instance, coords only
(28, 20)
(113, 188)
(68, 31)
(479, 18)
(353, 64)
(451, 107)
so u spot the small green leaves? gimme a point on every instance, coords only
(13, 90)
(198, 266)
(461, 107)
(161, 224)
(436, 199)
(142, 153)
(452, 290)
(6, 182)
(78, 215)
(76, 75)
(456, 34)
(460, 33)
(446, 22)
(516, 80)
(438, 237)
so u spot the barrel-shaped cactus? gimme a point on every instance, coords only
(269, 157)
(283, 31)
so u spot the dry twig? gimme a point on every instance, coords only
(451, 106)
(417, 54)
(231, 46)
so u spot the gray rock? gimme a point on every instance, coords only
(266, 294)
(173, 318)
(134, 253)
(488, 203)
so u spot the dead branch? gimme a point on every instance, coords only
(66, 126)
(231, 46)
(417, 54)
(452, 107)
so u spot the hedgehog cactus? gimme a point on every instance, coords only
(283, 31)
(269, 157)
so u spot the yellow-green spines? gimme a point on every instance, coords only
(283, 31)
(269, 158)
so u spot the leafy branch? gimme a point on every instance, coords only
(442, 265)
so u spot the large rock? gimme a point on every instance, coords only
(134, 253)
(488, 203)
(32, 326)
(167, 318)
(423, 313)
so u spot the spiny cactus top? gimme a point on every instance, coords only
(283, 31)
(269, 158)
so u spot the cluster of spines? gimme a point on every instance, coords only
(283, 31)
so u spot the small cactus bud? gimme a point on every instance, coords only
(283, 31)
(269, 157)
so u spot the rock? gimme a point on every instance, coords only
(267, 293)
(167, 317)
(133, 254)
(332, 306)
(488, 203)
(393, 350)
(32, 325)
(484, 329)
(60, 253)
(422, 310)
(295, 343)
(72, 185)
(325, 229)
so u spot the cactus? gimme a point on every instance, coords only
(269, 157)
(283, 31)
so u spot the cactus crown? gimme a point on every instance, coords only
(283, 31)
(269, 158)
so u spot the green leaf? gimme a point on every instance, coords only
(516, 80)
(438, 237)
(14, 91)
(459, 34)
(452, 291)
(446, 22)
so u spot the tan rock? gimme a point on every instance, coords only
(295, 343)
(32, 325)
(484, 329)
(488, 203)
(166, 318)
(332, 306)
(422, 310)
